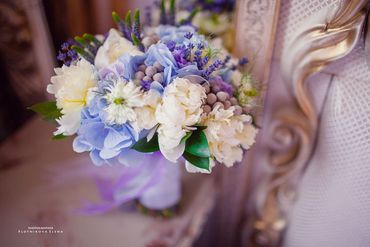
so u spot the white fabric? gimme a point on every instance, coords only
(333, 205)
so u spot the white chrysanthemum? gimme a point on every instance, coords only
(70, 86)
(180, 108)
(114, 47)
(227, 134)
(122, 97)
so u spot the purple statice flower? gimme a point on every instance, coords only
(66, 54)
(224, 86)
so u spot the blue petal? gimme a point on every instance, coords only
(130, 157)
(130, 64)
(188, 70)
(108, 153)
(114, 138)
(160, 53)
(80, 145)
(94, 133)
(157, 86)
(95, 157)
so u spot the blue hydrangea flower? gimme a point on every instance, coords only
(106, 143)
(179, 35)
(126, 66)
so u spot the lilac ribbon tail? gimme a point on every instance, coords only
(151, 171)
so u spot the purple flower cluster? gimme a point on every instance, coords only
(66, 54)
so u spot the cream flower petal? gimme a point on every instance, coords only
(193, 169)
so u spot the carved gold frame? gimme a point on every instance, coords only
(293, 129)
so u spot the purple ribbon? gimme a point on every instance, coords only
(135, 181)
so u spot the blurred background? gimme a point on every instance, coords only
(31, 34)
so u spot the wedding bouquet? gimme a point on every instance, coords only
(142, 98)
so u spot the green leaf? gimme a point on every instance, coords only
(83, 53)
(200, 162)
(59, 137)
(81, 41)
(116, 17)
(197, 144)
(92, 39)
(163, 18)
(147, 147)
(137, 19)
(128, 19)
(193, 13)
(200, 127)
(172, 5)
(186, 137)
(135, 40)
(48, 110)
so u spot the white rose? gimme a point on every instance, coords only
(71, 87)
(179, 110)
(227, 134)
(114, 47)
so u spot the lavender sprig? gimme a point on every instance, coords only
(188, 35)
(128, 23)
(198, 59)
(215, 65)
(121, 25)
(66, 54)
(131, 31)
(137, 28)
(86, 55)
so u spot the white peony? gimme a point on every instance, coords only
(179, 110)
(71, 86)
(227, 134)
(146, 114)
(122, 97)
(114, 47)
